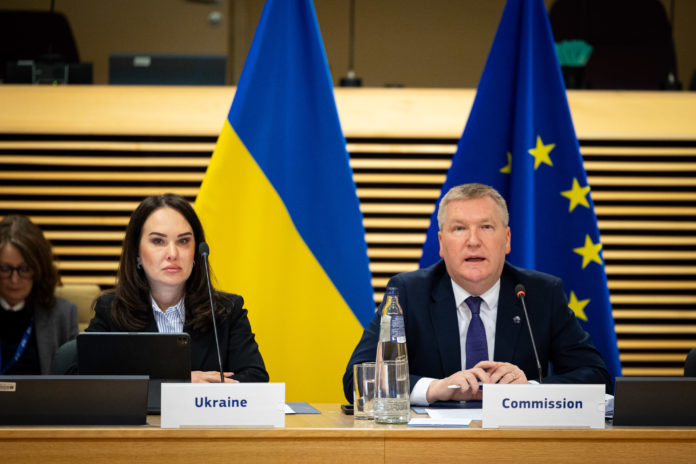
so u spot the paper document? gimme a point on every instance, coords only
(299, 407)
(430, 422)
(455, 414)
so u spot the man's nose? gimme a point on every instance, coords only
(472, 237)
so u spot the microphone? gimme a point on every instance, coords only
(205, 251)
(521, 293)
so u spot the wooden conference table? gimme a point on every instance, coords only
(334, 438)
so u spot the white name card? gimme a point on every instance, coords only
(223, 405)
(557, 405)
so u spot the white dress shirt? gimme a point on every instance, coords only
(171, 320)
(489, 315)
(7, 307)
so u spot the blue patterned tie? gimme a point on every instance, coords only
(476, 344)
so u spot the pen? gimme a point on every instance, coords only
(459, 386)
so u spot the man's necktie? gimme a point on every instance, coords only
(476, 344)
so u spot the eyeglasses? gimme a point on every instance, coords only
(23, 271)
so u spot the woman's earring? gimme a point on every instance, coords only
(139, 266)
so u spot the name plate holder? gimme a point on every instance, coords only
(549, 405)
(223, 405)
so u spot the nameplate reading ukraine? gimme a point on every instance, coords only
(223, 405)
(557, 405)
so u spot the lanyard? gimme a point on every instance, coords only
(20, 349)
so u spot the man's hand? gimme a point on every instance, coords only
(211, 377)
(467, 380)
(500, 372)
(483, 372)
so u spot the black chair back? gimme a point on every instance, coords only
(35, 35)
(65, 361)
(690, 364)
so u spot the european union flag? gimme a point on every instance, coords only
(520, 140)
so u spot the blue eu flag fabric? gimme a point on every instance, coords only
(520, 140)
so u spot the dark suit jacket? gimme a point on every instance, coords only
(53, 328)
(432, 330)
(239, 351)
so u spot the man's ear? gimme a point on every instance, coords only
(507, 241)
(439, 239)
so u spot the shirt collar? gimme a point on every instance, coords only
(7, 307)
(490, 296)
(179, 307)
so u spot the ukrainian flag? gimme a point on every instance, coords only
(280, 209)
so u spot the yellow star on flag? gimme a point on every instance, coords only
(578, 306)
(508, 167)
(541, 153)
(589, 252)
(577, 195)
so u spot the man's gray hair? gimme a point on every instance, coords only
(470, 192)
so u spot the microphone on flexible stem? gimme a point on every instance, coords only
(521, 293)
(205, 251)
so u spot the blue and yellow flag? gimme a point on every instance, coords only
(520, 140)
(280, 209)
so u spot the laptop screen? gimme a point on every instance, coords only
(73, 400)
(655, 401)
(159, 355)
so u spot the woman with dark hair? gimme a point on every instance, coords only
(33, 322)
(162, 287)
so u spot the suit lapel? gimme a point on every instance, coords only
(203, 347)
(443, 313)
(506, 328)
(199, 350)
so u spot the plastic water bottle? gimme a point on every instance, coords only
(392, 384)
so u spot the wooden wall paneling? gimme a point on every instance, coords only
(80, 177)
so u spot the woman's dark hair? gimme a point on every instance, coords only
(24, 235)
(132, 304)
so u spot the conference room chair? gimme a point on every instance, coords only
(35, 35)
(690, 364)
(65, 360)
(83, 295)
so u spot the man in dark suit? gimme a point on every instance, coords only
(464, 323)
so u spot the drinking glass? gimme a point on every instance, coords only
(363, 390)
